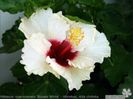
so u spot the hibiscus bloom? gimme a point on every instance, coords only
(62, 47)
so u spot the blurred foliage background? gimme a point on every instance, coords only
(116, 73)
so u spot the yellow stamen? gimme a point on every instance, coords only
(76, 35)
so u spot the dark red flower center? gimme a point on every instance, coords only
(62, 52)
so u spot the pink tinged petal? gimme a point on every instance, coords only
(74, 76)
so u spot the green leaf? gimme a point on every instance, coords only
(49, 85)
(110, 25)
(32, 5)
(72, 1)
(10, 89)
(21, 75)
(114, 19)
(91, 90)
(12, 6)
(128, 84)
(92, 3)
(128, 81)
(12, 40)
(116, 67)
(19, 72)
(29, 8)
(46, 85)
(77, 19)
(42, 3)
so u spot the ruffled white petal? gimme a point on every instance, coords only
(88, 31)
(32, 56)
(74, 76)
(95, 52)
(37, 23)
(82, 61)
(45, 21)
(57, 27)
(38, 42)
(89, 34)
(99, 49)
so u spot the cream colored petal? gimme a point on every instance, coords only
(33, 59)
(74, 76)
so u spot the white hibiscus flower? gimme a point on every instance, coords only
(63, 47)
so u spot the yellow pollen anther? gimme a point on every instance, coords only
(76, 35)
